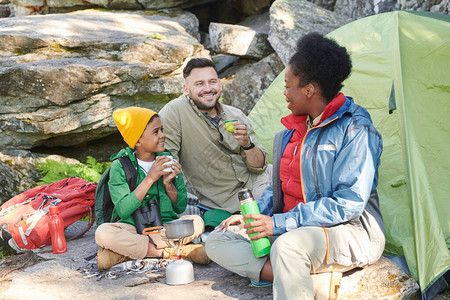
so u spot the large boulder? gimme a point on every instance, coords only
(241, 92)
(32, 7)
(251, 7)
(62, 75)
(247, 39)
(19, 172)
(357, 9)
(381, 280)
(292, 19)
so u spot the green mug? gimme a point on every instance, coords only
(229, 125)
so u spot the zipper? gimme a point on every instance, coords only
(316, 180)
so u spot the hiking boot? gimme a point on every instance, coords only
(107, 258)
(193, 252)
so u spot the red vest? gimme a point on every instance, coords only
(290, 160)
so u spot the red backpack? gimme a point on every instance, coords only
(24, 218)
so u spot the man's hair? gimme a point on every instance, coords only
(320, 60)
(197, 63)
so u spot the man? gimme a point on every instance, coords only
(216, 163)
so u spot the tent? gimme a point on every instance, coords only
(401, 74)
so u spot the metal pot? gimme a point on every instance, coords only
(178, 229)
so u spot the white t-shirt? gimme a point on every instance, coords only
(145, 165)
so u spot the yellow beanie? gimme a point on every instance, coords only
(131, 122)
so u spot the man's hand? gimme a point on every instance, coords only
(255, 157)
(240, 134)
(260, 223)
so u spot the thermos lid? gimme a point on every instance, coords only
(53, 210)
(245, 194)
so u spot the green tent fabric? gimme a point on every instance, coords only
(401, 74)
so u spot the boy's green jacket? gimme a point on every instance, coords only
(126, 202)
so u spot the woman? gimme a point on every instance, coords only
(322, 211)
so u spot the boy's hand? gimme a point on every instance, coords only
(157, 168)
(168, 177)
(262, 224)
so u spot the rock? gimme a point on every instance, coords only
(5, 10)
(223, 63)
(292, 19)
(442, 7)
(382, 280)
(328, 4)
(40, 274)
(61, 276)
(249, 39)
(18, 171)
(357, 9)
(59, 84)
(240, 92)
(251, 7)
(31, 7)
(8, 182)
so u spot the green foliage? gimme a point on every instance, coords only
(5, 254)
(54, 171)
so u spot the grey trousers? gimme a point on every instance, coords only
(294, 256)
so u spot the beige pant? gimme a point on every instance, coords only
(123, 238)
(294, 256)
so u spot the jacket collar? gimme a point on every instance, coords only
(332, 110)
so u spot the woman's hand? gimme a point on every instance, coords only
(233, 220)
(260, 223)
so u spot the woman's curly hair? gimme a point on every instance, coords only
(320, 60)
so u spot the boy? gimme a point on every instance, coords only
(142, 131)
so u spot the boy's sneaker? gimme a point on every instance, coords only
(193, 252)
(107, 258)
(262, 283)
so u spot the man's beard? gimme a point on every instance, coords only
(202, 106)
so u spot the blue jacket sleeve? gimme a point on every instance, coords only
(265, 203)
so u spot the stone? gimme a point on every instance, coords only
(31, 7)
(382, 280)
(240, 92)
(249, 39)
(357, 9)
(292, 19)
(60, 84)
(5, 10)
(40, 274)
(328, 4)
(252, 7)
(18, 171)
(442, 7)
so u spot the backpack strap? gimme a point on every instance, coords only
(130, 172)
(131, 175)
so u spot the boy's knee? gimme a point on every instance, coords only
(101, 234)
